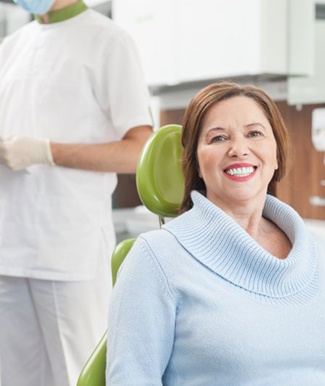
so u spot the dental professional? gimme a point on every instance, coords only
(231, 292)
(74, 111)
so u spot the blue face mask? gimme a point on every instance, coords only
(37, 7)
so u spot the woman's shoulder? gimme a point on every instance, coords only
(160, 238)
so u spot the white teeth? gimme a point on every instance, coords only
(240, 172)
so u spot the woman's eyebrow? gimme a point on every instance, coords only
(254, 124)
(215, 128)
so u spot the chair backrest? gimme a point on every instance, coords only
(160, 187)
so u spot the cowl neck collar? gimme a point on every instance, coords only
(218, 242)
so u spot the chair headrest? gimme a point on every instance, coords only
(159, 177)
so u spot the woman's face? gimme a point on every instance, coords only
(237, 152)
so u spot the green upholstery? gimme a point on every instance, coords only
(120, 251)
(93, 373)
(159, 176)
(160, 187)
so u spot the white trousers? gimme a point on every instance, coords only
(48, 329)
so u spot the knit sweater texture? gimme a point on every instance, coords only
(200, 303)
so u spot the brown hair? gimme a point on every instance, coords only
(192, 125)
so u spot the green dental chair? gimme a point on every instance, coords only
(160, 187)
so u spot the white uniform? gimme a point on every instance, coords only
(75, 81)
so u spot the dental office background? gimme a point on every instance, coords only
(187, 44)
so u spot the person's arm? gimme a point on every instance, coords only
(141, 322)
(120, 156)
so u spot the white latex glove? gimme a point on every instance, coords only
(18, 153)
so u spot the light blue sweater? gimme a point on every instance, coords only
(200, 303)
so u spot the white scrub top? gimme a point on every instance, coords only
(75, 81)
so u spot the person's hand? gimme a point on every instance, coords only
(18, 153)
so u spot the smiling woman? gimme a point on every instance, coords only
(225, 293)
(236, 152)
(250, 100)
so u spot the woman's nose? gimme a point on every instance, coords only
(238, 148)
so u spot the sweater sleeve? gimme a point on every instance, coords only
(141, 321)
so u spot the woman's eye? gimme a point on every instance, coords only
(218, 138)
(255, 133)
